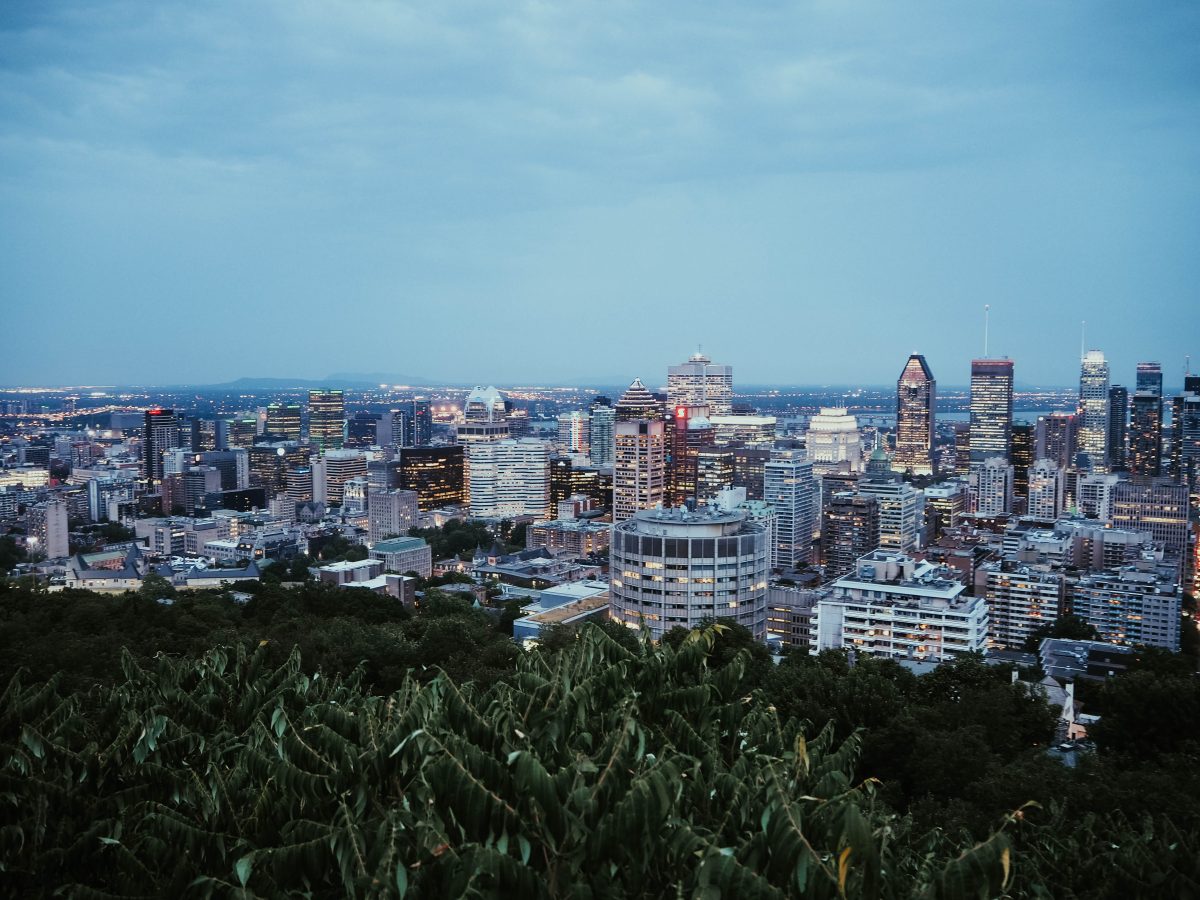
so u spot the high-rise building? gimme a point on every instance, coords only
(1118, 428)
(789, 486)
(916, 394)
(962, 448)
(241, 433)
(749, 469)
(485, 404)
(833, 440)
(849, 531)
(687, 432)
(159, 434)
(435, 473)
(1023, 440)
(1130, 606)
(510, 478)
(600, 432)
(1046, 480)
(1155, 505)
(992, 481)
(48, 530)
(991, 408)
(1055, 438)
(340, 467)
(574, 431)
(1185, 432)
(699, 382)
(283, 422)
(1021, 599)
(638, 403)
(1149, 378)
(390, 514)
(714, 473)
(1093, 409)
(269, 464)
(1094, 494)
(640, 453)
(327, 419)
(1146, 433)
(420, 428)
(901, 506)
(362, 430)
(676, 567)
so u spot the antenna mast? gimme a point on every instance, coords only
(986, 308)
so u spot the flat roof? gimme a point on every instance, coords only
(396, 545)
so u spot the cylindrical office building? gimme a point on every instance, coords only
(677, 567)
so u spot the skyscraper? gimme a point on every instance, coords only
(1093, 409)
(600, 432)
(993, 483)
(1046, 482)
(159, 433)
(789, 486)
(1022, 458)
(1118, 428)
(1055, 438)
(283, 422)
(574, 431)
(640, 453)
(699, 382)
(510, 478)
(326, 419)
(991, 408)
(1146, 422)
(833, 439)
(849, 531)
(916, 392)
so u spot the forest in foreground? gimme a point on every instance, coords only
(326, 742)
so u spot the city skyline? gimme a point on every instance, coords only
(758, 183)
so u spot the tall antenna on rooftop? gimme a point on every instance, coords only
(1083, 339)
(986, 312)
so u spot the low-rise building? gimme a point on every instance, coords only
(1020, 600)
(566, 604)
(405, 555)
(577, 537)
(896, 607)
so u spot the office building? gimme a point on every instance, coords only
(901, 506)
(746, 431)
(713, 472)
(833, 440)
(437, 474)
(239, 433)
(1158, 506)
(1055, 438)
(47, 529)
(687, 433)
(991, 409)
(699, 382)
(638, 403)
(601, 421)
(916, 394)
(677, 568)
(1185, 432)
(749, 469)
(362, 430)
(849, 531)
(283, 422)
(897, 608)
(485, 404)
(640, 454)
(789, 487)
(390, 514)
(1022, 458)
(1149, 379)
(1021, 599)
(340, 466)
(1094, 493)
(1146, 434)
(962, 448)
(1093, 409)
(945, 502)
(269, 464)
(510, 478)
(1046, 481)
(327, 419)
(419, 429)
(160, 433)
(1118, 428)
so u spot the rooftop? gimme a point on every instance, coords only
(399, 545)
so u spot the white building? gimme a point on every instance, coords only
(833, 438)
(639, 467)
(48, 532)
(895, 607)
(901, 507)
(1094, 495)
(1093, 409)
(675, 567)
(510, 478)
(699, 382)
(790, 489)
(992, 482)
(574, 432)
(390, 513)
(1046, 481)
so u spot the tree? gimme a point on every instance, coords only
(1070, 627)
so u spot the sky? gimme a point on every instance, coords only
(532, 192)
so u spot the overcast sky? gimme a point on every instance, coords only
(507, 192)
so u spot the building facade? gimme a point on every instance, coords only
(991, 408)
(916, 395)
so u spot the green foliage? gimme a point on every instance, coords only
(592, 773)
(455, 539)
(1070, 627)
(11, 553)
